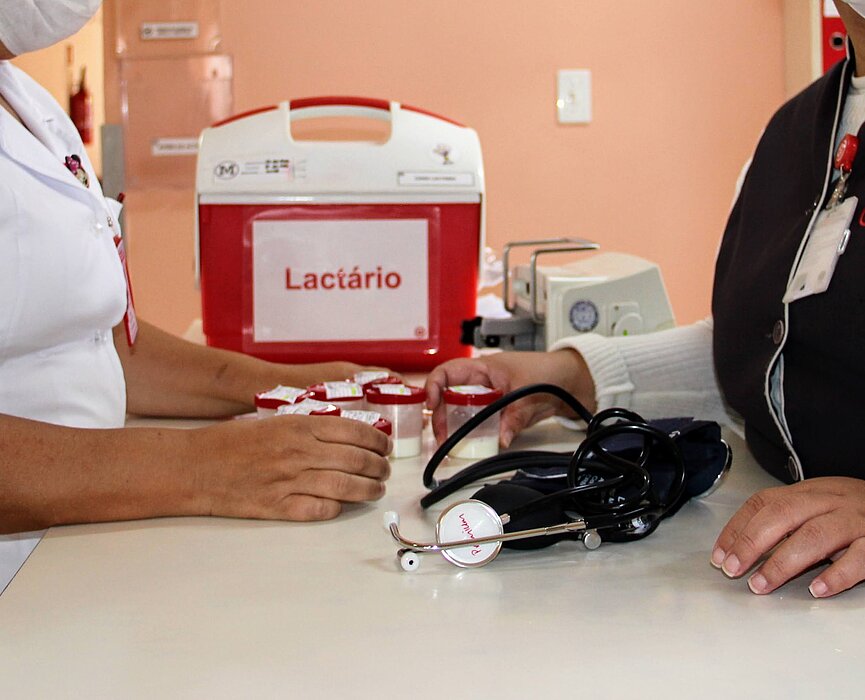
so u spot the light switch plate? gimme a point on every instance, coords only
(574, 96)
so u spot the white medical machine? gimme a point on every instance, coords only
(613, 294)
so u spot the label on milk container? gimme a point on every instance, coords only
(393, 389)
(470, 389)
(369, 417)
(363, 378)
(304, 408)
(342, 390)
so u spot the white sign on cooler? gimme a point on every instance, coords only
(340, 280)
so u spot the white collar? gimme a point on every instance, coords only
(46, 137)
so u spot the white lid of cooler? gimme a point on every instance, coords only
(253, 157)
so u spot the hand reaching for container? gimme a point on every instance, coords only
(508, 371)
(289, 467)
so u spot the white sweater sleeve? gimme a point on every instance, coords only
(667, 373)
(662, 374)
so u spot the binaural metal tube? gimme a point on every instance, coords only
(570, 526)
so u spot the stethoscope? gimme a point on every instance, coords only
(610, 490)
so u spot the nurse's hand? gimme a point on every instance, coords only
(288, 467)
(809, 522)
(508, 371)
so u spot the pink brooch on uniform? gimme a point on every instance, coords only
(73, 163)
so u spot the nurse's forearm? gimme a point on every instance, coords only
(168, 376)
(53, 475)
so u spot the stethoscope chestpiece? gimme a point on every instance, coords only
(468, 520)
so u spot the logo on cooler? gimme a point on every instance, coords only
(445, 152)
(342, 279)
(227, 170)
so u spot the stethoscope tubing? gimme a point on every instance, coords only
(619, 469)
(605, 490)
(491, 410)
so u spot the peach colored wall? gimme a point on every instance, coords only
(803, 42)
(50, 68)
(681, 92)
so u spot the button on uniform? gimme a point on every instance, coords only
(792, 470)
(778, 332)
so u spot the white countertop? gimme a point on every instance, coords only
(215, 608)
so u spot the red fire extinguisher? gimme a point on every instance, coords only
(81, 109)
(834, 37)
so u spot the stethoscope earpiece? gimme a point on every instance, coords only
(472, 525)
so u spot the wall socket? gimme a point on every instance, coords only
(574, 96)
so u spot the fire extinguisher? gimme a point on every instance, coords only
(834, 37)
(81, 109)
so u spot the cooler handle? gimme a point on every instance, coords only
(346, 106)
(340, 107)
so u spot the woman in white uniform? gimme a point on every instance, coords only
(68, 375)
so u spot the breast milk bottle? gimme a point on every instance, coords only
(464, 402)
(403, 407)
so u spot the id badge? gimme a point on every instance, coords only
(827, 243)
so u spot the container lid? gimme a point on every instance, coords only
(308, 407)
(336, 391)
(370, 418)
(279, 396)
(471, 395)
(369, 378)
(394, 394)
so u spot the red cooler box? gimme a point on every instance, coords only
(310, 251)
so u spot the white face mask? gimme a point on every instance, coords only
(30, 25)
(858, 5)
